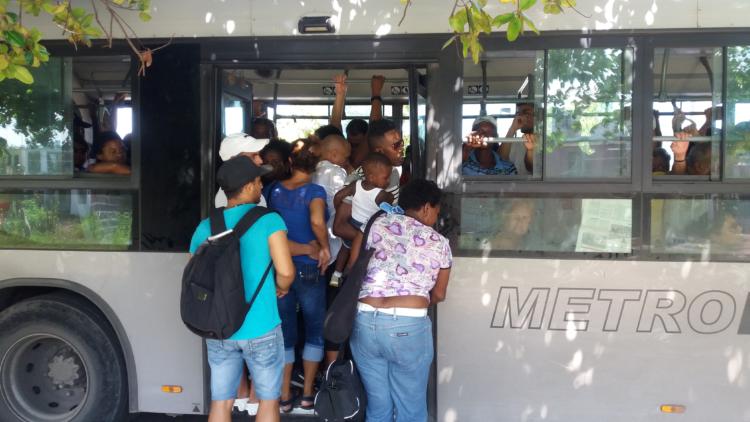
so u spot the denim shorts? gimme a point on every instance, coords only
(264, 357)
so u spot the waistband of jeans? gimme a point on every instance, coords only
(407, 312)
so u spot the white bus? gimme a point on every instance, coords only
(608, 280)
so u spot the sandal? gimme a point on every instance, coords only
(286, 406)
(310, 400)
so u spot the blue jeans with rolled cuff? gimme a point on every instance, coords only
(309, 291)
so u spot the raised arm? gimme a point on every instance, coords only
(337, 114)
(376, 107)
(341, 226)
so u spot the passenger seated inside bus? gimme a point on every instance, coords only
(660, 162)
(80, 153)
(110, 156)
(515, 225)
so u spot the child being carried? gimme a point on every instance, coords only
(368, 193)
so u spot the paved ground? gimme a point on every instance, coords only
(150, 417)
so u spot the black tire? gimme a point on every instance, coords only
(60, 361)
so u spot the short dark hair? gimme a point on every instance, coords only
(102, 138)
(303, 159)
(326, 130)
(283, 148)
(377, 130)
(660, 160)
(262, 121)
(357, 127)
(698, 159)
(374, 159)
(525, 103)
(419, 192)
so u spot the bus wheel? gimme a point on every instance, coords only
(59, 361)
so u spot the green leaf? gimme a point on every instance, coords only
(458, 21)
(79, 12)
(465, 40)
(482, 3)
(11, 17)
(118, 2)
(23, 75)
(3, 62)
(450, 41)
(145, 17)
(527, 4)
(87, 20)
(28, 57)
(501, 20)
(14, 38)
(530, 24)
(514, 28)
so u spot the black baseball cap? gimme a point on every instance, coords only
(237, 172)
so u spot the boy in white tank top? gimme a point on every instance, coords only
(370, 192)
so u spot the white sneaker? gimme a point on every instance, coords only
(241, 405)
(251, 408)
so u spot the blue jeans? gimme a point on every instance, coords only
(264, 357)
(309, 290)
(393, 355)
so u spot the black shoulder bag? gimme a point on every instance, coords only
(340, 316)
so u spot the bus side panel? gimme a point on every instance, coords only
(143, 290)
(562, 340)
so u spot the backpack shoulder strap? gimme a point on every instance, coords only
(249, 219)
(372, 219)
(216, 218)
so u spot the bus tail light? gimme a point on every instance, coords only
(171, 389)
(672, 408)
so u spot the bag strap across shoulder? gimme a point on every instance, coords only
(216, 218)
(249, 219)
(366, 234)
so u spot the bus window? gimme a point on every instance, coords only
(499, 104)
(737, 153)
(588, 119)
(687, 104)
(546, 224)
(701, 226)
(35, 123)
(66, 219)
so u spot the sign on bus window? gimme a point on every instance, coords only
(545, 224)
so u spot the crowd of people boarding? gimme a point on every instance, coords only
(324, 189)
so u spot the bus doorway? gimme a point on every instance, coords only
(287, 103)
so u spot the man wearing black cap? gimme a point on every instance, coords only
(259, 341)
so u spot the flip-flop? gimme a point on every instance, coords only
(309, 399)
(287, 406)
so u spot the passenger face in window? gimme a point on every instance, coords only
(524, 118)
(112, 152)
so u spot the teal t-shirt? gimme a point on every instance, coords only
(255, 256)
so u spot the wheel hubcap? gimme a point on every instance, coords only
(43, 379)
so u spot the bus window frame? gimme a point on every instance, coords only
(642, 184)
(126, 185)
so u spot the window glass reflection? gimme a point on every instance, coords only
(74, 219)
(36, 123)
(738, 113)
(702, 226)
(588, 121)
(546, 224)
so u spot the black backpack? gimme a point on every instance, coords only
(339, 318)
(341, 396)
(212, 302)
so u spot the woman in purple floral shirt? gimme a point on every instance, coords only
(392, 336)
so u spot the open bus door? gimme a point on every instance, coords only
(418, 122)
